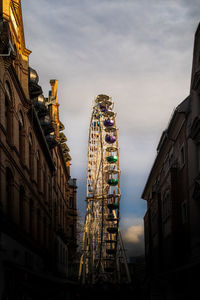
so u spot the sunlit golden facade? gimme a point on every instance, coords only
(38, 232)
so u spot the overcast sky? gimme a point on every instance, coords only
(137, 51)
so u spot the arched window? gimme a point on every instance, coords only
(21, 136)
(30, 143)
(38, 170)
(8, 116)
(9, 191)
(22, 206)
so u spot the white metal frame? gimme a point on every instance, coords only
(103, 255)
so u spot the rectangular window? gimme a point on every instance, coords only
(71, 202)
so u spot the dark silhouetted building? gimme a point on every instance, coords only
(172, 192)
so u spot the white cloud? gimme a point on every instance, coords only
(130, 220)
(133, 234)
(139, 52)
(133, 238)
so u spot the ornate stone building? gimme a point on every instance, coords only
(172, 192)
(37, 194)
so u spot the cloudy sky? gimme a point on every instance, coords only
(137, 51)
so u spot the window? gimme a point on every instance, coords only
(21, 206)
(31, 154)
(38, 170)
(71, 202)
(31, 216)
(38, 225)
(21, 135)
(8, 117)
(9, 191)
(166, 206)
(45, 183)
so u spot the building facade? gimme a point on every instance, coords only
(172, 192)
(37, 230)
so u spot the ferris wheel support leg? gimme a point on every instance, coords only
(118, 270)
(82, 268)
(124, 258)
(93, 262)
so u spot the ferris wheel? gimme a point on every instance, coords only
(103, 255)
